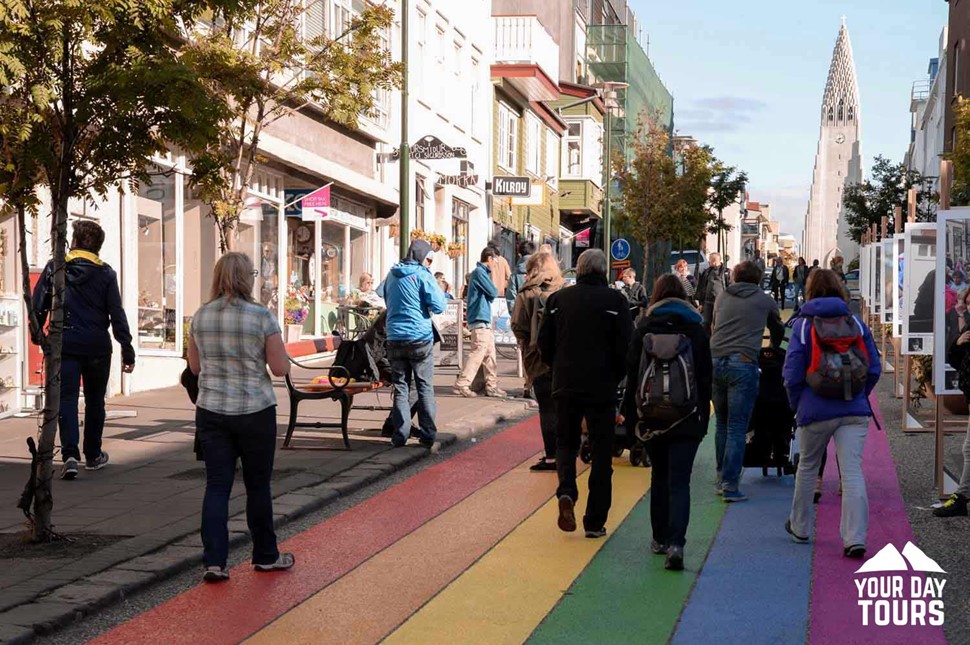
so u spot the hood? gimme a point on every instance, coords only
(81, 267)
(675, 307)
(744, 289)
(418, 251)
(406, 268)
(544, 280)
(825, 308)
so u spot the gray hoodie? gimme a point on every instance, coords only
(740, 315)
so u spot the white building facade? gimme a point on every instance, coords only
(928, 108)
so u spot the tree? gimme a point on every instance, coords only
(93, 88)
(275, 63)
(727, 185)
(663, 196)
(866, 203)
(960, 192)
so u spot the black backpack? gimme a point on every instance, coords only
(667, 385)
(353, 356)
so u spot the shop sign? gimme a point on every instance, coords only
(581, 239)
(511, 186)
(316, 205)
(431, 148)
(462, 181)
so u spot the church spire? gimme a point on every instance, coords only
(840, 104)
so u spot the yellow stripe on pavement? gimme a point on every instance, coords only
(503, 597)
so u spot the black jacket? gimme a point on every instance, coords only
(584, 339)
(785, 277)
(672, 316)
(92, 302)
(713, 282)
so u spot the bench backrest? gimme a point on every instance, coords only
(313, 346)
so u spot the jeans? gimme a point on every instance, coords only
(799, 291)
(412, 360)
(482, 355)
(735, 390)
(673, 462)
(850, 439)
(252, 439)
(600, 424)
(542, 386)
(964, 488)
(94, 370)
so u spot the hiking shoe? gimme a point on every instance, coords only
(543, 464)
(464, 391)
(719, 488)
(567, 516)
(596, 533)
(657, 548)
(215, 574)
(856, 552)
(284, 562)
(731, 496)
(496, 393)
(69, 469)
(954, 506)
(797, 539)
(97, 464)
(675, 559)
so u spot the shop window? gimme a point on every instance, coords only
(459, 235)
(359, 257)
(332, 284)
(574, 150)
(157, 277)
(269, 261)
(301, 265)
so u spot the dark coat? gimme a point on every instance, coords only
(584, 338)
(672, 316)
(785, 277)
(92, 303)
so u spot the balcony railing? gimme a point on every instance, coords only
(921, 90)
(522, 40)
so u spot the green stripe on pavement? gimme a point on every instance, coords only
(625, 595)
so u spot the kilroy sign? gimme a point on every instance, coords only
(430, 148)
(503, 186)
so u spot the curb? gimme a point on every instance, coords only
(49, 610)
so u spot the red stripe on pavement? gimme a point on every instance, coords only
(230, 612)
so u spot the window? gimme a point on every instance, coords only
(841, 110)
(331, 261)
(473, 110)
(420, 37)
(342, 12)
(533, 144)
(508, 122)
(851, 112)
(441, 70)
(381, 113)
(314, 20)
(831, 114)
(552, 158)
(459, 110)
(459, 235)
(573, 161)
(419, 198)
(157, 280)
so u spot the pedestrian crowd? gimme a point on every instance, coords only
(596, 355)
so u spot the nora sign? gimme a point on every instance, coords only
(512, 187)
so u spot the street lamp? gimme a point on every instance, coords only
(608, 94)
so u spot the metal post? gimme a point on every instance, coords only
(607, 211)
(405, 152)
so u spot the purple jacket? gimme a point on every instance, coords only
(810, 407)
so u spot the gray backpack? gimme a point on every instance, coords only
(667, 386)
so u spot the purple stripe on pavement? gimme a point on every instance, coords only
(836, 616)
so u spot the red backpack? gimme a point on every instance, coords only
(839, 365)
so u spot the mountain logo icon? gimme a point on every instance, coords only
(890, 559)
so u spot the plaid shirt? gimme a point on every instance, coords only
(231, 338)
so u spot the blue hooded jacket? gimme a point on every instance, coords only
(810, 407)
(481, 293)
(412, 296)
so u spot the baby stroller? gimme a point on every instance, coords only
(622, 440)
(772, 426)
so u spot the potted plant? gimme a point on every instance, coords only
(437, 241)
(455, 251)
(295, 312)
(418, 234)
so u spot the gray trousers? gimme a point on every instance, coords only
(850, 439)
(964, 488)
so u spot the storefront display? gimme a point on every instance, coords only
(157, 263)
(11, 308)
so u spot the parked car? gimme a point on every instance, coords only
(696, 261)
(852, 284)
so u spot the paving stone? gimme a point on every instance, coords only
(41, 616)
(87, 596)
(15, 634)
(164, 562)
(124, 579)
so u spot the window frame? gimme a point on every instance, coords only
(508, 138)
(533, 145)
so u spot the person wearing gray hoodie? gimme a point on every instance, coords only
(741, 313)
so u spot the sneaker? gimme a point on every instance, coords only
(543, 464)
(675, 559)
(856, 552)
(284, 562)
(596, 533)
(719, 488)
(567, 516)
(731, 496)
(657, 548)
(464, 391)
(69, 469)
(215, 574)
(797, 539)
(97, 464)
(954, 506)
(496, 393)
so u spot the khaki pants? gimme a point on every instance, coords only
(482, 354)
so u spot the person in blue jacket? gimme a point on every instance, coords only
(481, 293)
(412, 296)
(820, 419)
(92, 303)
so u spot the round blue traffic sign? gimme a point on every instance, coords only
(620, 250)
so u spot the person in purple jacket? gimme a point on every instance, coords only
(820, 419)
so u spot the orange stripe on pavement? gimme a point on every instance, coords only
(369, 602)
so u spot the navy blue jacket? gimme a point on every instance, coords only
(481, 293)
(92, 302)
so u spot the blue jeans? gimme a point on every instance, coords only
(412, 360)
(735, 390)
(799, 291)
(95, 371)
(252, 439)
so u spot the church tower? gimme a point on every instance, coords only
(837, 163)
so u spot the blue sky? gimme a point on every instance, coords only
(748, 76)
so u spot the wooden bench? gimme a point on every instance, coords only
(334, 385)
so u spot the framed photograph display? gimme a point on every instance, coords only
(876, 288)
(887, 288)
(919, 280)
(899, 259)
(864, 273)
(951, 318)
